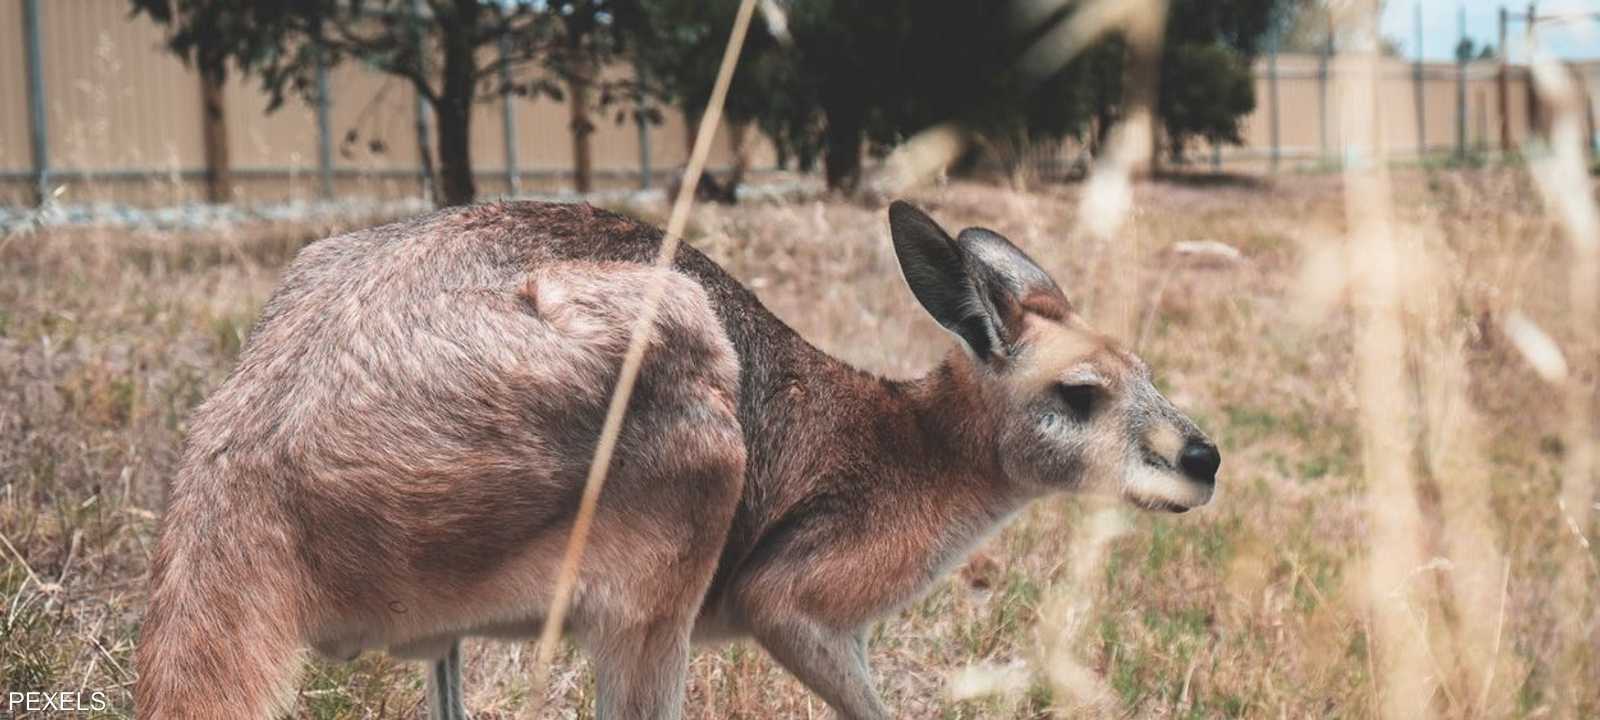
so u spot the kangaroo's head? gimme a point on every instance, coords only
(1074, 411)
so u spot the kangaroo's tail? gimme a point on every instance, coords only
(222, 632)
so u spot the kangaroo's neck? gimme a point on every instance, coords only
(959, 468)
(940, 430)
(840, 461)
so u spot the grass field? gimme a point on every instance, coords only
(1255, 606)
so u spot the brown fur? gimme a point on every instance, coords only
(396, 461)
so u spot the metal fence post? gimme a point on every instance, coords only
(1502, 84)
(1483, 123)
(420, 111)
(1272, 95)
(1594, 128)
(1417, 91)
(644, 154)
(644, 128)
(1589, 124)
(1531, 91)
(38, 123)
(324, 132)
(644, 132)
(1461, 84)
(1322, 94)
(424, 149)
(508, 116)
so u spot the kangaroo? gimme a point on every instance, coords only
(396, 461)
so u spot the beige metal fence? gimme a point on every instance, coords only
(118, 118)
(122, 122)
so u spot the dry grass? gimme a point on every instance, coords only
(1252, 607)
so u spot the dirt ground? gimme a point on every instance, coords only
(1251, 607)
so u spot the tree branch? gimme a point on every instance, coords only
(511, 63)
(380, 50)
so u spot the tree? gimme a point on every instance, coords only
(1210, 88)
(1467, 50)
(1206, 81)
(866, 74)
(680, 44)
(817, 95)
(975, 84)
(1303, 26)
(283, 44)
(856, 70)
(589, 36)
(851, 53)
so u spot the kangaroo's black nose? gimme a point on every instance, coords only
(1200, 460)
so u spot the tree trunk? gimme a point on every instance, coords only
(582, 128)
(738, 143)
(456, 184)
(691, 128)
(842, 156)
(454, 105)
(805, 159)
(1104, 120)
(782, 151)
(214, 134)
(430, 178)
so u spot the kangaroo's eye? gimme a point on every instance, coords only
(1081, 398)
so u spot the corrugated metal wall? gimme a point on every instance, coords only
(124, 121)
(124, 124)
(14, 152)
(1301, 108)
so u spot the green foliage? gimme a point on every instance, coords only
(817, 92)
(1206, 85)
(679, 49)
(857, 72)
(873, 73)
(1467, 50)
(452, 52)
(1205, 90)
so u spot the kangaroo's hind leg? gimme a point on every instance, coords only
(672, 487)
(647, 574)
(640, 672)
(444, 686)
(658, 533)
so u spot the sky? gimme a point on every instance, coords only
(1575, 40)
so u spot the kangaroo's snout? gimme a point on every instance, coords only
(1200, 460)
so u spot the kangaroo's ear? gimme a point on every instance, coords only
(940, 275)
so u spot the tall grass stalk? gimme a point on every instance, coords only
(638, 338)
(1563, 182)
(1397, 617)
(1104, 211)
